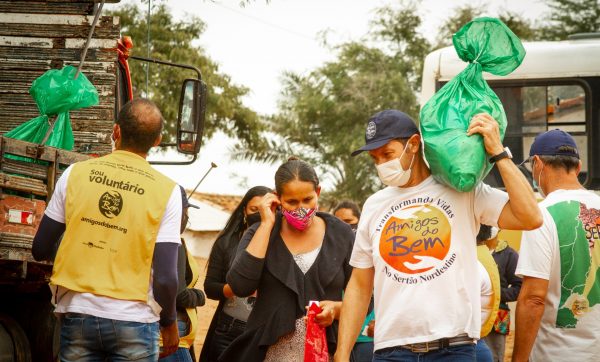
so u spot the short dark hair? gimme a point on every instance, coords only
(485, 233)
(141, 123)
(567, 163)
(295, 169)
(347, 204)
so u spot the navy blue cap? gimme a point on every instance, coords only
(550, 143)
(386, 126)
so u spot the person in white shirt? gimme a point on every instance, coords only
(415, 246)
(558, 316)
(112, 230)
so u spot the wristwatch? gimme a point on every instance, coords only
(504, 154)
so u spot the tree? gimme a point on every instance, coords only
(322, 116)
(398, 29)
(571, 16)
(172, 40)
(460, 16)
(522, 27)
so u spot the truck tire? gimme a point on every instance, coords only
(20, 343)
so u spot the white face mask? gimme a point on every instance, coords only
(537, 184)
(112, 142)
(391, 173)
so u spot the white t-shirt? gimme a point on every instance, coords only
(421, 242)
(486, 292)
(106, 307)
(563, 251)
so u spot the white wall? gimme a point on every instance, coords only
(199, 243)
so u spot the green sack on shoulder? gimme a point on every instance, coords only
(455, 159)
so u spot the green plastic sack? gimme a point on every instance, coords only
(56, 92)
(455, 159)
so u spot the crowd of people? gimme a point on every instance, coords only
(419, 274)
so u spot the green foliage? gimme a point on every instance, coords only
(460, 16)
(399, 30)
(569, 17)
(522, 27)
(322, 115)
(173, 40)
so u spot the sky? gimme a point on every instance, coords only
(257, 43)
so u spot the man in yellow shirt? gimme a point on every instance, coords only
(114, 278)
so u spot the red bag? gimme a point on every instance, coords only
(315, 346)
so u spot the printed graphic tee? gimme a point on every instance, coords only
(564, 252)
(421, 242)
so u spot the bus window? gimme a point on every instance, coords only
(531, 110)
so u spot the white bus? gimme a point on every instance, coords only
(556, 86)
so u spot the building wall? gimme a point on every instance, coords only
(199, 243)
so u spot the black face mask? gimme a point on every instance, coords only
(354, 227)
(252, 218)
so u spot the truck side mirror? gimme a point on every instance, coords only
(190, 121)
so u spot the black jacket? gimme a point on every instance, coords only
(510, 284)
(219, 262)
(283, 290)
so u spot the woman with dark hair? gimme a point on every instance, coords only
(294, 255)
(349, 212)
(229, 320)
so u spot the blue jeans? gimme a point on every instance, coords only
(461, 353)
(87, 338)
(362, 352)
(182, 354)
(227, 329)
(483, 352)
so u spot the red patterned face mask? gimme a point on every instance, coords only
(299, 218)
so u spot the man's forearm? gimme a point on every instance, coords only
(529, 315)
(521, 197)
(353, 313)
(165, 280)
(46, 239)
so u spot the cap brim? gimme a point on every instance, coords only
(371, 146)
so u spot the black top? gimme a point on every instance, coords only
(506, 258)
(219, 262)
(283, 290)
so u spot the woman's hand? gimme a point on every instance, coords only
(227, 292)
(267, 209)
(330, 312)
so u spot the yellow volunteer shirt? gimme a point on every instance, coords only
(113, 209)
(487, 260)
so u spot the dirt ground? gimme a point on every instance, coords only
(206, 312)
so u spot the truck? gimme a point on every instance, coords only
(36, 36)
(556, 86)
